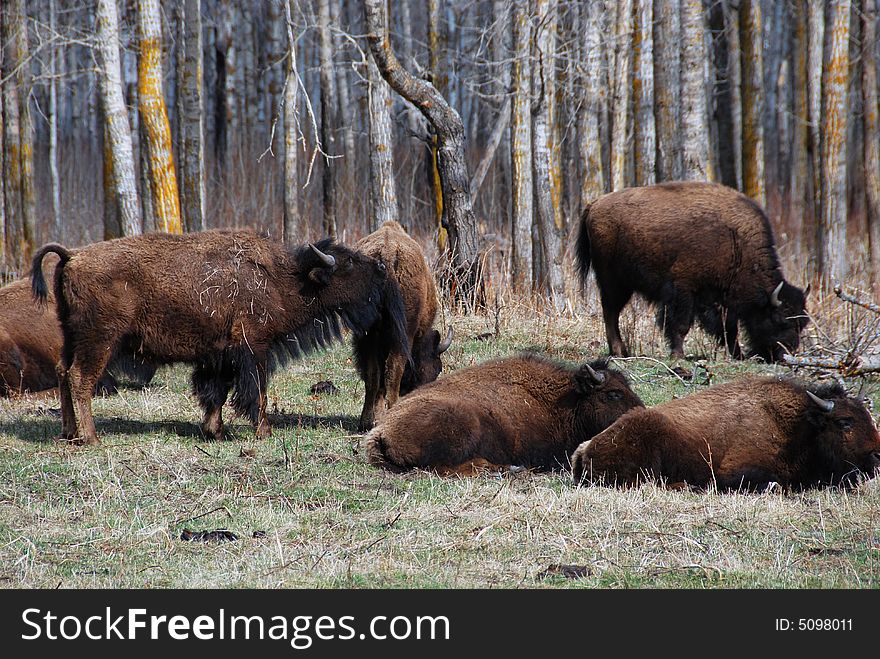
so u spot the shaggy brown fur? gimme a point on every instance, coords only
(232, 303)
(385, 368)
(696, 250)
(524, 411)
(744, 434)
(30, 344)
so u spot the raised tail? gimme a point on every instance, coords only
(582, 251)
(38, 280)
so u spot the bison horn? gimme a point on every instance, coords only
(446, 342)
(328, 259)
(826, 405)
(597, 377)
(774, 296)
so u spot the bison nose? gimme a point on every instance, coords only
(381, 266)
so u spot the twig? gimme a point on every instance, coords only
(846, 297)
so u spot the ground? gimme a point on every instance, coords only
(309, 512)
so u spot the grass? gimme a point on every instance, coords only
(309, 512)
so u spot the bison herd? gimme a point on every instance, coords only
(236, 306)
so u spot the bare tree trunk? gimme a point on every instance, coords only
(383, 192)
(248, 76)
(694, 112)
(328, 110)
(154, 116)
(620, 134)
(734, 85)
(548, 177)
(439, 79)
(645, 154)
(116, 117)
(872, 132)
(293, 231)
(494, 140)
(590, 115)
(227, 65)
(835, 78)
(667, 88)
(752, 100)
(112, 218)
(458, 215)
(800, 144)
(5, 256)
(192, 147)
(345, 114)
(521, 149)
(815, 59)
(772, 131)
(53, 130)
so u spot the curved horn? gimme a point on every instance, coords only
(774, 296)
(826, 405)
(443, 346)
(598, 378)
(328, 259)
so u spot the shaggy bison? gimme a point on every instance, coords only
(524, 411)
(745, 434)
(30, 344)
(696, 250)
(232, 303)
(384, 366)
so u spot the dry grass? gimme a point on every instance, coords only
(112, 516)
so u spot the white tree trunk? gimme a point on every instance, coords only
(667, 88)
(521, 148)
(694, 110)
(590, 115)
(620, 121)
(192, 148)
(643, 92)
(383, 192)
(292, 229)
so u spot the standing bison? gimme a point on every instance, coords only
(695, 250)
(744, 434)
(523, 410)
(232, 303)
(30, 344)
(384, 365)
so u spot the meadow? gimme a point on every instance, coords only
(309, 512)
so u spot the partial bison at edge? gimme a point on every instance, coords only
(385, 367)
(697, 251)
(525, 411)
(740, 435)
(231, 302)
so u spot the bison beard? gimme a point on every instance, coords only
(234, 304)
(739, 435)
(525, 411)
(697, 251)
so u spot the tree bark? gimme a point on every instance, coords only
(645, 155)
(752, 100)
(620, 134)
(872, 133)
(116, 117)
(835, 78)
(694, 112)
(521, 149)
(458, 215)
(815, 59)
(667, 88)
(328, 110)
(53, 130)
(192, 147)
(383, 192)
(292, 230)
(590, 115)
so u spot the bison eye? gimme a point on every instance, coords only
(614, 395)
(844, 424)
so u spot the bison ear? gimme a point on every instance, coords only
(321, 276)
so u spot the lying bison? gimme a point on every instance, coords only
(524, 411)
(744, 434)
(384, 366)
(30, 344)
(695, 250)
(232, 303)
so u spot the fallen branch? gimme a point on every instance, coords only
(848, 366)
(846, 297)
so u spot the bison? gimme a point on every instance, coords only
(233, 303)
(385, 367)
(524, 410)
(30, 345)
(745, 434)
(696, 250)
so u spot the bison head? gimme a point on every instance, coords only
(775, 328)
(846, 435)
(426, 363)
(602, 396)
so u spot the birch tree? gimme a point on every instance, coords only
(752, 100)
(292, 229)
(667, 88)
(589, 117)
(694, 111)
(521, 149)
(620, 142)
(872, 132)
(53, 129)
(116, 117)
(192, 147)
(815, 59)
(11, 141)
(645, 153)
(328, 111)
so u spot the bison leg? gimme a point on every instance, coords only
(372, 376)
(613, 302)
(722, 324)
(211, 384)
(261, 423)
(83, 375)
(394, 367)
(675, 318)
(249, 399)
(68, 417)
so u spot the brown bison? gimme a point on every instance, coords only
(523, 410)
(30, 344)
(232, 303)
(385, 367)
(744, 434)
(696, 250)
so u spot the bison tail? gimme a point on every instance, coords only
(582, 250)
(38, 280)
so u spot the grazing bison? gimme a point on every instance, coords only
(232, 303)
(695, 250)
(744, 434)
(524, 411)
(30, 344)
(384, 366)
